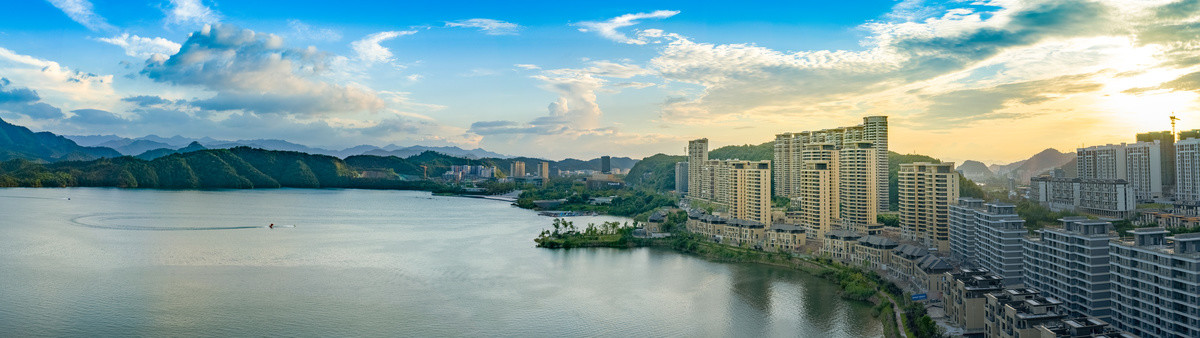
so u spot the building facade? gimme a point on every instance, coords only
(789, 157)
(741, 188)
(1166, 142)
(517, 169)
(1072, 264)
(926, 191)
(1144, 171)
(988, 236)
(1106, 161)
(1014, 313)
(1104, 197)
(1156, 284)
(697, 156)
(965, 298)
(1187, 170)
(681, 178)
(962, 229)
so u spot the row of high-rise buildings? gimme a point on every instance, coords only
(1110, 180)
(836, 178)
(742, 189)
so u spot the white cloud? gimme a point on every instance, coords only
(141, 47)
(303, 31)
(488, 26)
(369, 50)
(608, 29)
(81, 12)
(526, 66)
(191, 12)
(56, 83)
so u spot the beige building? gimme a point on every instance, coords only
(873, 252)
(786, 238)
(926, 192)
(818, 195)
(1015, 313)
(741, 188)
(840, 245)
(964, 298)
(790, 158)
(544, 170)
(517, 169)
(858, 190)
(697, 156)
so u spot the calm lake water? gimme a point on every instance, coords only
(359, 262)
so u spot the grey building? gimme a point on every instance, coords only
(1072, 264)
(988, 236)
(681, 177)
(605, 164)
(1156, 283)
(962, 229)
(1105, 197)
(1187, 170)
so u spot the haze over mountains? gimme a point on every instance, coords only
(140, 145)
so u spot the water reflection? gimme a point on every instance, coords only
(376, 263)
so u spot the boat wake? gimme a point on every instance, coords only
(119, 222)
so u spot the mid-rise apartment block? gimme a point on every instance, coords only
(927, 190)
(790, 161)
(858, 188)
(962, 229)
(1071, 264)
(988, 236)
(1156, 284)
(964, 298)
(1014, 313)
(1104, 197)
(1187, 170)
(741, 188)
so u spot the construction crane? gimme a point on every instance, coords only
(1173, 119)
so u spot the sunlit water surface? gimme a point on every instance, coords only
(360, 262)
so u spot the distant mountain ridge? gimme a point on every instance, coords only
(20, 142)
(141, 145)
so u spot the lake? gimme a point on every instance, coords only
(94, 261)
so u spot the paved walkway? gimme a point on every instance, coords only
(896, 312)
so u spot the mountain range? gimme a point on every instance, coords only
(1040, 163)
(20, 142)
(140, 145)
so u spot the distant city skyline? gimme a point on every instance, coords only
(994, 81)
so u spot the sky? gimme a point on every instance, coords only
(994, 81)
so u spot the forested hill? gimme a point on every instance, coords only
(20, 142)
(238, 168)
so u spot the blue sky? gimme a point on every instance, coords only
(557, 80)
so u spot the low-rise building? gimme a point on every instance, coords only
(1082, 327)
(873, 252)
(964, 298)
(656, 220)
(914, 265)
(1014, 313)
(1104, 197)
(839, 245)
(1156, 283)
(783, 237)
(1167, 220)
